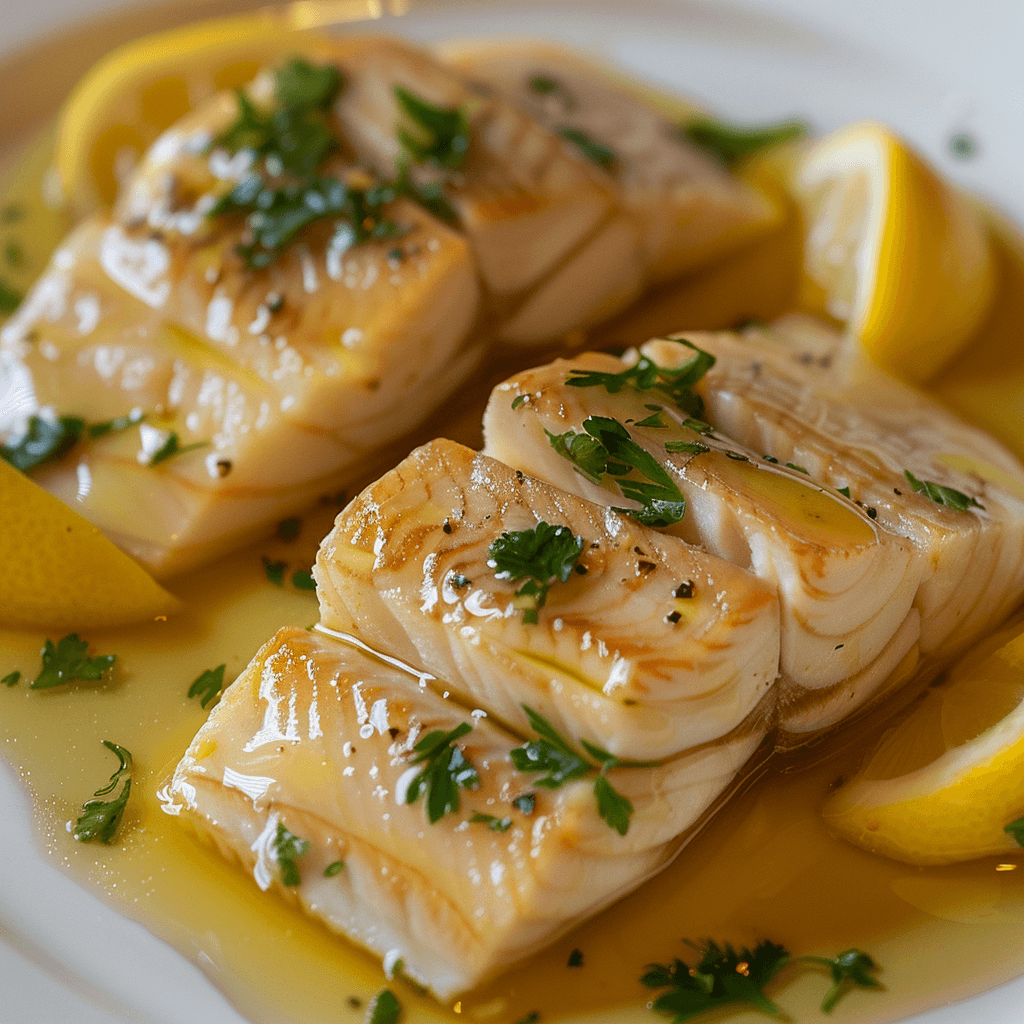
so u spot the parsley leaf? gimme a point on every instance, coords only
(689, 447)
(720, 976)
(849, 968)
(559, 762)
(288, 847)
(617, 454)
(45, 439)
(172, 446)
(303, 580)
(100, 819)
(115, 425)
(208, 685)
(525, 803)
(10, 299)
(384, 1008)
(731, 144)
(1015, 830)
(446, 769)
(543, 556)
(439, 135)
(545, 85)
(334, 868)
(956, 500)
(288, 529)
(274, 571)
(300, 85)
(647, 375)
(67, 661)
(11, 679)
(596, 152)
(493, 823)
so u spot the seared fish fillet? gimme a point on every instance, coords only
(687, 207)
(868, 583)
(314, 741)
(289, 378)
(650, 648)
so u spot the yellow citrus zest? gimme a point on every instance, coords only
(140, 89)
(60, 572)
(942, 785)
(891, 250)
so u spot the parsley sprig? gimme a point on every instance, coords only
(288, 848)
(731, 144)
(553, 757)
(446, 770)
(100, 819)
(46, 439)
(67, 661)
(647, 375)
(723, 975)
(436, 135)
(542, 556)
(948, 496)
(208, 685)
(608, 450)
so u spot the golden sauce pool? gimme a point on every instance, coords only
(763, 868)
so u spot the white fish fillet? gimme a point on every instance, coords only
(617, 658)
(862, 598)
(316, 736)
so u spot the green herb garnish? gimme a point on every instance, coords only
(208, 685)
(525, 803)
(956, 500)
(1015, 830)
(731, 144)
(616, 454)
(553, 757)
(383, 1008)
(172, 446)
(542, 556)
(596, 152)
(67, 661)
(334, 868)
(10, 299)
(844, 491)
(43, 441)
(724, 976)
(687, 447)
(545, 85)
(100, 819)
(14, 254)
(446, 770)
(458, 581)
(303, 580)
(438, 135)
(274, 571)
(493, 823)
(799, 469)
(115, 425)
(575, 958)
(288, 529)
(518, 401)
(288, 848)
(647, 375)
(11, 679)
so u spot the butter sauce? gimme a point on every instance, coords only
(764, 866)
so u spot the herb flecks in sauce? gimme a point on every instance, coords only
(288, 848)
(100, 819)
(67, 661)
(432, 134)
(947, 496)
(208, 685)
(446, 770)
(731, 144)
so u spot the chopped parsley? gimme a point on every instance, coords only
(334, 868)
(115, 425)
(799, 469)
(208, 685)
(44, 440)
(288, 529)
(274, 571)
(844, 491)
(172, 446)
(596, 152)
(731, 144)
(559, 762)
(575, 958)
(383, 1008)
(956, 500)
(518, 401)
(607, 449)
(493, 823)
(654, 420)
(723, 975)
(545, 85)
(288, 848)
(303, 580)
(458, 581)
(446, 770)
(687, 447)
(1015, 830)
(527, 802)
(10, 299)
(11, 679)
(100, 819)
(14, 254)
(647, 375)
(67, 661)
(436, 135)
(542, 556)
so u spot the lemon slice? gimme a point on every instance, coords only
(942, 786)
(60, 572)
(140, 89)
(891, 250)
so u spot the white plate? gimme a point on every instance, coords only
(921, 66)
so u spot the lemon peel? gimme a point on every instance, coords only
(961, 754)
(141, 88)
(60, 572)
(891, 250)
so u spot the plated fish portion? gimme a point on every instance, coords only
(870, 575)
(687, 207)
(309, 773)
(649, 647)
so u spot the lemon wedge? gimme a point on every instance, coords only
(942, 785)
(140, 89)
(891, 250)
(60, 572)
